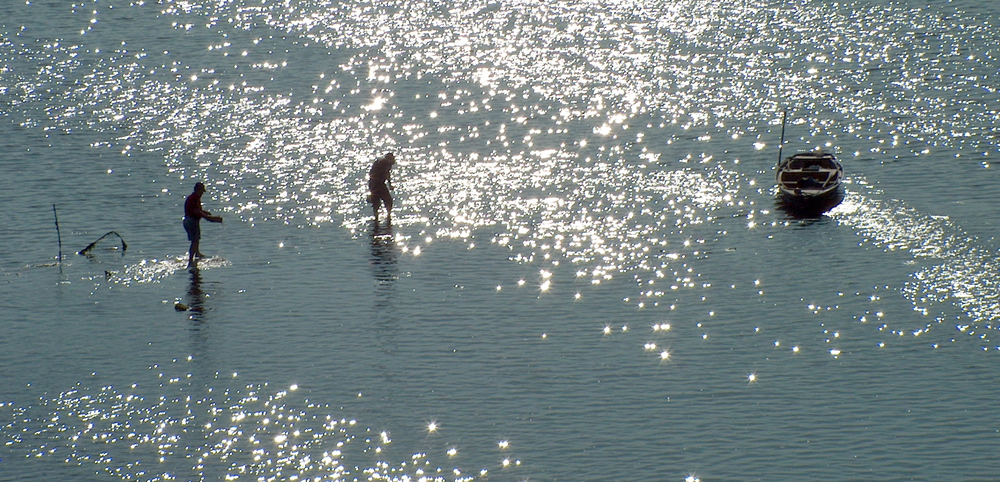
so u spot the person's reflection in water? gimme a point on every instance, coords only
(386, 363)
(384, 259)
(196, 296)
(196, 309)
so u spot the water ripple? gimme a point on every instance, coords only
(175, 428)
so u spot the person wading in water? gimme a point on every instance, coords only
(379, 185)
(193, 213)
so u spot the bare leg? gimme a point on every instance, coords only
(376, 203)
(388, 209)
(192, 253)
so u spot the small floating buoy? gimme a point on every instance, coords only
(180, 307)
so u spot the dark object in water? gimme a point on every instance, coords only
(809, 177)
(808, 182)
(58, 232)
(86, 251)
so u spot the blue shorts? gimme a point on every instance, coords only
(193, 228)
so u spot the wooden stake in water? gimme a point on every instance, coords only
(58, 233)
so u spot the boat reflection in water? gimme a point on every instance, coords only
(809, 184)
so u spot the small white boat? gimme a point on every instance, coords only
(809, 176)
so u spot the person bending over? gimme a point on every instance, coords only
(379, 185)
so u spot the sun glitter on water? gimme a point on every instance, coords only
(175, 428)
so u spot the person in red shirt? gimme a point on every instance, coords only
(379, 185)
(193, 214)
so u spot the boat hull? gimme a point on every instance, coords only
(799, 207)
(809, 182)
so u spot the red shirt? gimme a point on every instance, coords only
(192, 207)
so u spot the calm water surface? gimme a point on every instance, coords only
(587, 277)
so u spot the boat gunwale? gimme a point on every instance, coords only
(831, 184)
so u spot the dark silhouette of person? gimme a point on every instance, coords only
(379, 185)
(193, 214)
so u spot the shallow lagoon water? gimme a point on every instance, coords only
(587, 277)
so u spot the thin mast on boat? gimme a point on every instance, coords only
(781, 144)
